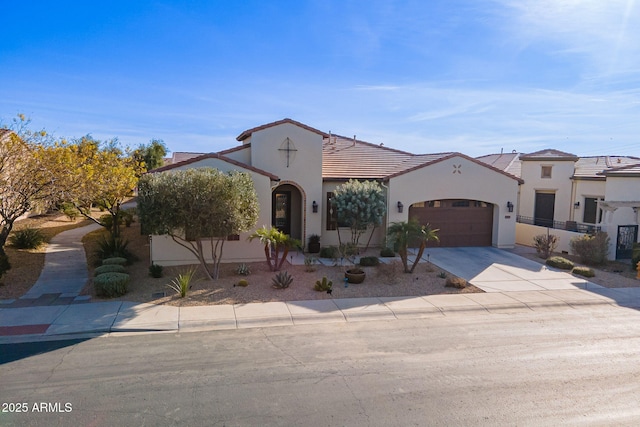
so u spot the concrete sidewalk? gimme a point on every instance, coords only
(51, 322)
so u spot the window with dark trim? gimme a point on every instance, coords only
(545, 172)
(233, 237)
(591, 211)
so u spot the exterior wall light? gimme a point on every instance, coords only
(314, 207)
(400, 207)
(576, 205)
(510, 206)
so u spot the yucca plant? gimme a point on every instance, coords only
(27, 238)
(182, 282)
(282, 280)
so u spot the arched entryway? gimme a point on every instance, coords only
(286, 210)
(461, 222)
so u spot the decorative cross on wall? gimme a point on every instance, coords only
(289, 149)
(456, 169)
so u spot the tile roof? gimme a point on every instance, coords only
(508, 162)
(344, 158)
(629, 170)
(548, 154)
(593, 167)
(247, 133)
(215, 156)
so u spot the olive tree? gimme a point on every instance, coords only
(198, 206)
(360, 205)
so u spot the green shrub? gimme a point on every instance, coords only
(109, 268)
(111, 285)
(592, 249)
(27, 238)
(329, 252)
(559, 262)
(114, 260)
(243, 282)
(442, 275)
(243, 270)
(323, 285)
(583, 271)
(635, 256)
(69, 210)
(182, 282)
(282, 280)
(455, 282)
(155, 271)
(545, 244)
(309, 262)
(4, 265)
(109, 247)
(126, 216)
(387, 252)
(369, 261)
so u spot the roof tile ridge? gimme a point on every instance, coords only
(372, 144)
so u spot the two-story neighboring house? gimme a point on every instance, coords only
(573, 195)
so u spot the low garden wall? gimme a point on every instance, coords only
(526, 232)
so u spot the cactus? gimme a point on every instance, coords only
(323, 285)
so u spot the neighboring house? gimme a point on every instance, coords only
(568, 195)
(295, 169)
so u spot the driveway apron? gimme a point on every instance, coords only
(497, 270)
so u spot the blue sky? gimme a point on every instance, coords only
(474, 76)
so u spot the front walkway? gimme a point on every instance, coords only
(64, 274)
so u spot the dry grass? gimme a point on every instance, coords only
(26, 264)
(378, 283)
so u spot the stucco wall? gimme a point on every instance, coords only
(583, 189)
(526, 232)
(559, 183)
(304, 170)
(458, 178)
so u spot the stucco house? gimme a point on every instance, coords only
(295, 168)
(568, 195)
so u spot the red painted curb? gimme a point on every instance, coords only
(23, 330)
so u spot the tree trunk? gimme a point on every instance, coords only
(284, 257)
(4, 234)
(420, 252)
(403, 256)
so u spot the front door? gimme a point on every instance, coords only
(545, 205)
(627, 236)
(281, 211)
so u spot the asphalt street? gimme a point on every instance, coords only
(566, 367)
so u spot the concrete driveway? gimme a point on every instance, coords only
(498, 270)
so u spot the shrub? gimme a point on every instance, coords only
(559, 262)
(111, 285)
(243, 282)
(110, 247)
(155, 271)
(282, 280)
(126, 216)
(369, 261)
(583, 271)
(243, 270)
(545, 244)
(109, 268)
(182, 282)
(635, 257)
(442, 275)
(4, 265)
(69, 210)
(387, 252)
(114, 260)
(389, 272)
(309, 263)
(593, 249)
(27, 238)
(329, 252)
(455, 282)
(323, 285)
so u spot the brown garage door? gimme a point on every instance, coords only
(461, 222)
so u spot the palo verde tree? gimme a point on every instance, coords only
(198, 206)
(103, 175)
(359, 205)
(29, 176)
(402, 234)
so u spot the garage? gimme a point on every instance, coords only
(461, 222)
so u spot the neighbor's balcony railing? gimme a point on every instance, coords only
(560, 225)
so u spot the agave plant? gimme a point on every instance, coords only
(282, 280)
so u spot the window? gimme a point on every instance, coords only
(331, 221)
(546, 172)
(591, 211)
(460, 204)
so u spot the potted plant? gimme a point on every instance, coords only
(355, 275)
(314, 244)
